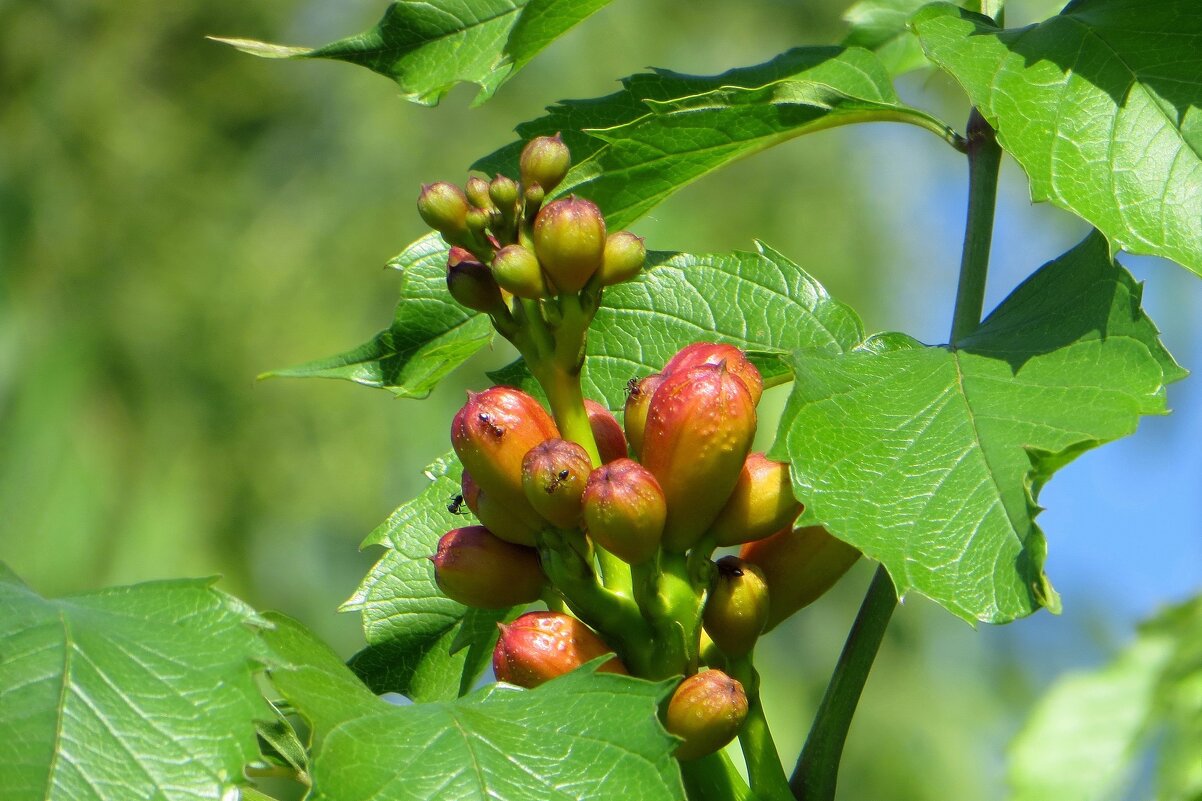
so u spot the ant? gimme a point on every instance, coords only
(455, 507)
(563, 476)
(493, 428)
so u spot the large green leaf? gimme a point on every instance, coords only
(1087, 736)
(145, 692)
(759, 301)
(665, 130)
(429, 46)
(1101, 107)
(931, 459)
(883, 27)
(586, 735)
(420, 642)
(429, 337)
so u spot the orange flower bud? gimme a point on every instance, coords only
(760, 505)
(498, 518)
(700, 353)
(540, 646)
(553, 476)
(707, 711)
(611, 442)
(624, 510)
(699, 428)
(638, 399)
(569, 240)
(478, 569)
(799, 565)
(736, 610)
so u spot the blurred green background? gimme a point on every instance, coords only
(176, 218)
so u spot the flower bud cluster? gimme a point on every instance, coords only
(506, 243)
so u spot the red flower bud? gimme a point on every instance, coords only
(499, 519)
(700, 353)
(553, 477)
(444, 207)
(699, 428)
(491, 435)
(707, 711)
(517, 270)
(736, 610)
(624, 256)
(611, 442)
(478, 569)
(472, 284)
(624, 510)
(569, 239)
(760, 505)
(799, 565)
(638, 399)
(545, 160)
(540, 646)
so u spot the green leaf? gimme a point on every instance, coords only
(930, 460)
(1101, 105)
(1087, 736)
(665, 130)
(767, 304)
(428, 47)
(430, 335)
(882, 26)
(412, 629)
(145, 691)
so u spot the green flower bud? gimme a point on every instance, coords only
(707, 711)
(700, 353)
(545, 160)
(518, 272)
(504, 192)
(492, 434)
(611, 442)
(624, 256)
(736, 610)
(624, 510)
(553, 476)
(799, 566)
(760, 505)
(477, 191)
(478, 220)
(504, 521)
(569, 240)
(478, 569)
(444, 207)
(699, 428)
(638, 400)
(472, 285)
(540, 646)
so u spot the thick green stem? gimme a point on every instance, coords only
(817, 770)
(984, 162)
(714, 778)
(764, 769)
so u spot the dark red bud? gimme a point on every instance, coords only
(700, 353)
(760, 505)
(545, 160)
(638, 399)
(472, 285)
(476, 568)
(799, 566)
(478, 194)
(517, 270)
(736, 609)
(492, 434)
(624, 256)
(624, 510)
(700, 425)
(569, 240)
(540, 646)
(444, 207)
(553, 477)
(504, 521)
(707, 711)
(611, 442)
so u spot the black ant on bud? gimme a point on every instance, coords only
(563, 476)
(493, 428)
